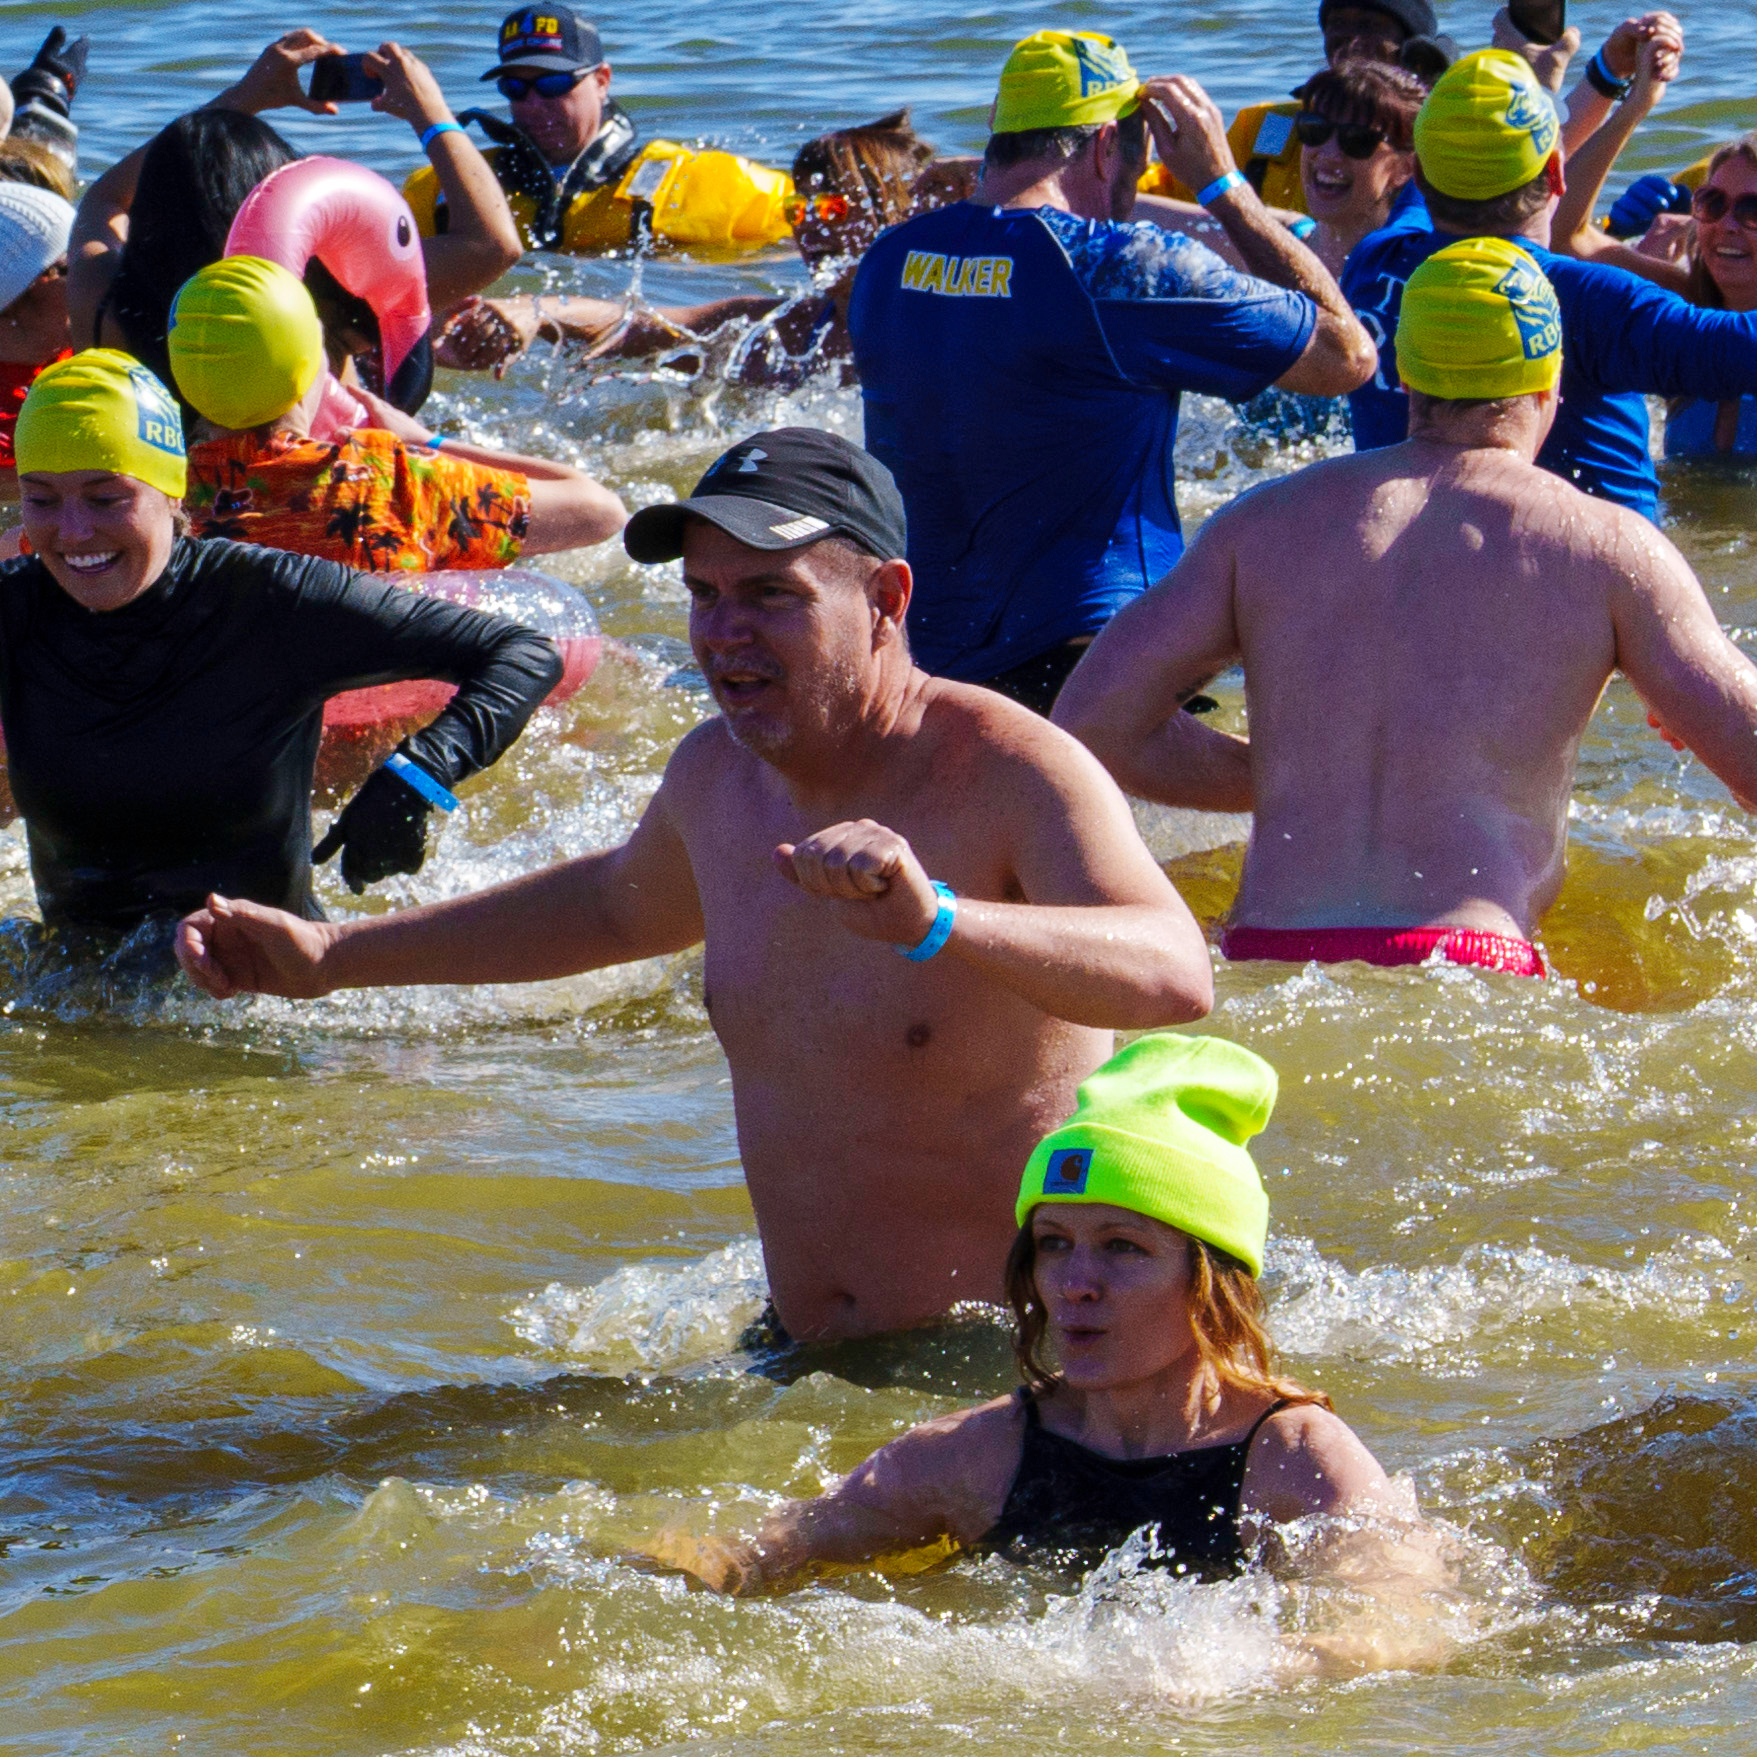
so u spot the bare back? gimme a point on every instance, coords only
(1418, 685)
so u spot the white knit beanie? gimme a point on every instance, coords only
(35, 225)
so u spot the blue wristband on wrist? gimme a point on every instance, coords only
(433, 131)
(1303, 227)
(939, 933)
(1220, 185)
(423, 783)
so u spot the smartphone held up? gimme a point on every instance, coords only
(343, 79)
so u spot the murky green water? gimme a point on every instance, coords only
(344, 1349)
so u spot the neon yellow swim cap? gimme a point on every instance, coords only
(1479, 319)
(1160, 1129)
(1064, 79)
(102, 410)
(245, 341)
(1487, 127)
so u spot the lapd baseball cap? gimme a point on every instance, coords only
(546, 39)
(782, 490)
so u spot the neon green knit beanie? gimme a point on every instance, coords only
(1161, 1129)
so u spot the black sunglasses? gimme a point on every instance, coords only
(1356, 140)
(545, 85)
(1712, 204)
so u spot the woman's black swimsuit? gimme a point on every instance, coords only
(166, 749)
(1078, 1505)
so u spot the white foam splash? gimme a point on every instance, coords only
(650, 1317)
(1391, 1313)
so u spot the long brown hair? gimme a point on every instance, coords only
(1226, 1313)
(874, 165)
(1700, 289)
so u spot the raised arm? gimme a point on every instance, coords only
(627, 903)
(481, 241)
(1573, 232)
(1697, 684)
(1124, 700)
(1101, 937)
(100, 229)
(1191, 137)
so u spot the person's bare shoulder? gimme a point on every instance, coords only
(706, 759)
(1306, 1459)
(962, 1463)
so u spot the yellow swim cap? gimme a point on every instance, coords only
(1479, 319)
(1064, 79)
(1161, 1129)
(245, 341)
(102, 410)
(1487, 127)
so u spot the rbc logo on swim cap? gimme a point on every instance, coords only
(1067, 1171)
(1533, 303)
(1529, 108)
(161, 426)
(1102, 65)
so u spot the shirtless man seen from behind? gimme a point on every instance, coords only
(884, 1106)
(1425, 632)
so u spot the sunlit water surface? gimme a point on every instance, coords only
(346, 1350)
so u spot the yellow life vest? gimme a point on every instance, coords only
(1264, 146)
(684, 195)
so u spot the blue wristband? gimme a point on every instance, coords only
(939, 933)
(423, 783)
(433, 131)
(1219, 187)
(1303, 227)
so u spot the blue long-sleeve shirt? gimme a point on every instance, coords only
(1623, 339)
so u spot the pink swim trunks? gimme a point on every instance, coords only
(1386, 946)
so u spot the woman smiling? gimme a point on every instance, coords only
(162, 698)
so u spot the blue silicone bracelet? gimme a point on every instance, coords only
(423, 783)
(939, 933)
(1220, 185)
(433, 131)
(1303, 227)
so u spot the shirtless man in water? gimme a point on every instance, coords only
(1425, 632)
(884, 1106)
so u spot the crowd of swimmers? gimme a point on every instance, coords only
(941, 662)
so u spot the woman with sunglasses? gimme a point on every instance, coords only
(1356, 130)
(852, 184)
(1711, 260)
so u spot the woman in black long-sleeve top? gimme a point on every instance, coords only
(162, 698)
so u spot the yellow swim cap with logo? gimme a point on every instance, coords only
(102, 410)
(1479, 319)
(245, 341)
(1487, 127)
(1064, 79)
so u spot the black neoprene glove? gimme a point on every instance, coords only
(55, 74)
(381, 830)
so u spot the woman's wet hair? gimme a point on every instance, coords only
(875, 165)
(193, 179)
(1367, 94)
(1061, 144)
(1226, 1314)
(1701, 288)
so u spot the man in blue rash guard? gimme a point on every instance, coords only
(1022, 356)
(1488, 166)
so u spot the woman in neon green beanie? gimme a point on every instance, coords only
(1142, 1223)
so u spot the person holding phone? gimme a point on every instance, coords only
(163, 212)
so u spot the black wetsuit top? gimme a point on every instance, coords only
(1079, 1505)
(166, 749)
